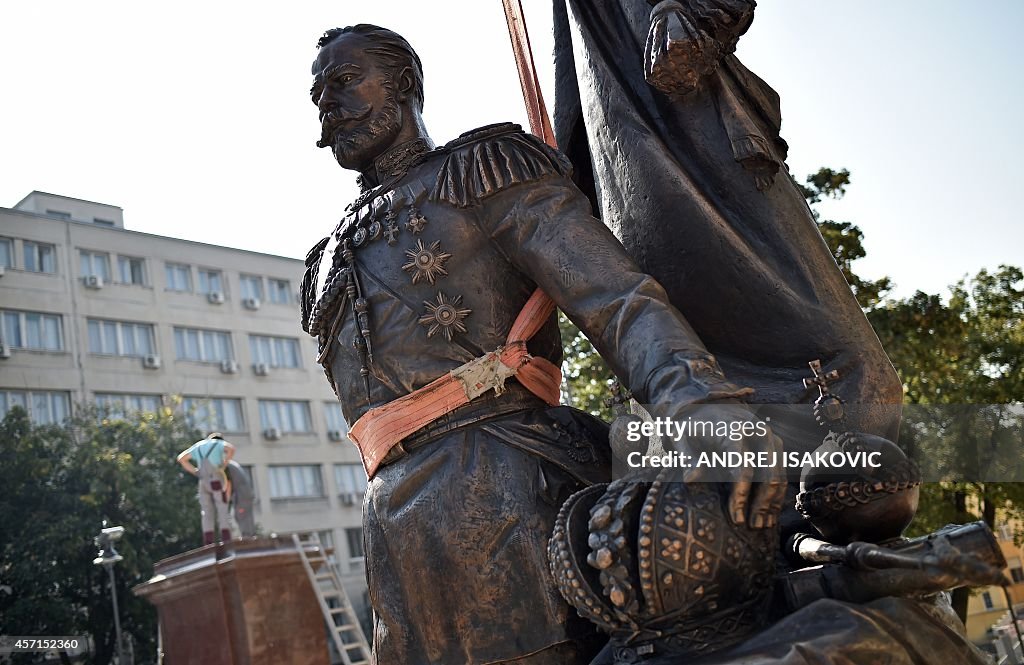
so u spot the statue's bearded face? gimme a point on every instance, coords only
(360, 116)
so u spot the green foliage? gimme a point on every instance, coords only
(845, 240)
(59, 484)
(586, 378)
(955, 356)
(826, 183)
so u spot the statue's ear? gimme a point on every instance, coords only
(405, 82)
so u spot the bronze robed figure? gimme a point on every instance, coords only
(678, 145)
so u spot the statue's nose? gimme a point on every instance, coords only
(325, 104)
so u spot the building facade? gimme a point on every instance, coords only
(989, 607)
(94, 312)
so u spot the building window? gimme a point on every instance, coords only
(59, 214)
(274, 351)
(132, 270)
(6, 253)
(94, 264)
(118, 338)
(1016, 571)
(102, 222)
(118, 405)
(39, 257)
(350, 478)
(214, 414)
(326, 538)
(33, 330)
(210, 281)
(986, 598)
(252, 286)
(179, 277)
(354, 537)
(280, 291)
(205, 346)
(44, 407)
(335, 419)
(296, 482)
(285, 415)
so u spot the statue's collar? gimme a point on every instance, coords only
(395, 162)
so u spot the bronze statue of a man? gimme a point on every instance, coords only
(422, 303)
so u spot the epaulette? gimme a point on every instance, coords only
(307, 291)
(487, 160)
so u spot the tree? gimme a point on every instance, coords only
(962, 366)
(586, 378)
(59, 484)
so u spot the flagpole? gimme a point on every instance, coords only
(536, 111)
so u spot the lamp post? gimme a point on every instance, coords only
(107, 557)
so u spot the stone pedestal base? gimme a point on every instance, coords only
(248, 602)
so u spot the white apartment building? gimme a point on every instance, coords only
(94, 312)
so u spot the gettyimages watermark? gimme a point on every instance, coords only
(719, 443)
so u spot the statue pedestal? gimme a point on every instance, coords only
(248, 602)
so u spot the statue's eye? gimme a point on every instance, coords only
(347, 78)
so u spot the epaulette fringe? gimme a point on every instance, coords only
(474, 170)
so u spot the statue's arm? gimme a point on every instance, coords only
(546, 230)
(723, 20)
(688, 38)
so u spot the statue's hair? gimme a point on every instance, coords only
(390, 48)
(215, 435)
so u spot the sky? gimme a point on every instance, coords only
(195, 117)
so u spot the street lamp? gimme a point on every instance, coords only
(107, 557)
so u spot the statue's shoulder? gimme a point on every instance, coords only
(485, 161)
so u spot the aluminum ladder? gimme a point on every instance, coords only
(342, 624)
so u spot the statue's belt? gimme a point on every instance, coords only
(380, 429)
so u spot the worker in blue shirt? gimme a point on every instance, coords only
(207, 460)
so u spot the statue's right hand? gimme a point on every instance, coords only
(758, 479)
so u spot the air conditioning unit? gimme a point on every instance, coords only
(261, 369)
(251, 303)
(215, 297)
(229, 366)
(151, 361)
(5, 350)
(93, 282)
(335, 434)
(272, 433)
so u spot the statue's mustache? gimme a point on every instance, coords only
(334, 118)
